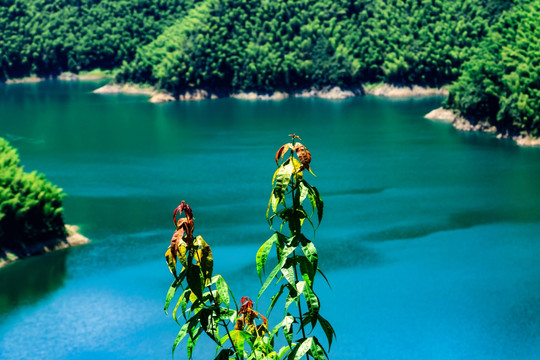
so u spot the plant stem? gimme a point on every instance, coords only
(214, 301)
(296, 205)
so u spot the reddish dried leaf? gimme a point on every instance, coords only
(239, 323)
(247, 305)
(303, 155)
(187, 226)
(281, 152)
(183, 207)
(175, 241)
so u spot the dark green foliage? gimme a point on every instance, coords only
(46, 37)
(501, 83)
(30, 206)
(266, 45)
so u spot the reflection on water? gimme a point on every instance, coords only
(29, 280)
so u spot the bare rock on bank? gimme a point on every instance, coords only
(197, 95)
(255, 96)
(459, 122)
(441, 114)
(114, 88)
(26, 80)
(331, 93)
(463, 124)
(161, 98)
(526, 140)
(68, 76)
(73, 238)
(404, 91)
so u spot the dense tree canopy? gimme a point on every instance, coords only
(266, 45)
(30, 206)
(263, 45)
(46, 37)
(501, 83)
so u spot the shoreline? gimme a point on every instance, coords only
(467, 125)
(65, 76)
(327, 92)
(72, 239)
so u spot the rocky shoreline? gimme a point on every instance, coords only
(73, 238)
(404, 91)
(463, 124)
(66, 76)
(328, 92)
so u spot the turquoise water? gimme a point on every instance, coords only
(431, 237)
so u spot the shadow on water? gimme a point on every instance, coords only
(365, 191)
(28, 280)
(459, 220)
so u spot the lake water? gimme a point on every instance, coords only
(431, 237)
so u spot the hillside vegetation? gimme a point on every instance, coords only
(46, 37)
(265, 45)
(501, 83)
(30, 206)
(488, 49)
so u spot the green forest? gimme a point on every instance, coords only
(485, 51)
(30, 206)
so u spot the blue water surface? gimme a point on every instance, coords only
(430, 237)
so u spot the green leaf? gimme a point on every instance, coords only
(317, 351)
(223, 290)
(262, 254)
(290, 299)
(288, 272)
(181, 334)
(303, 188)
(182, 301)
(306, 268)
(187, 328)
(286, 252)
(310, 251)
(208, 322)
(239, 337)
(283, 351)
(171, 262)
(268, 280)
(194, 280)
(328, 330)
(275, 298)
(312, 302)
(282, 179)
(224, 354)
(274, 201)
(192, 341)
(300, 349)
(320, 204)
(325, 278)
(204, 258)
(287, 325)
(170, 294)
(186, 296)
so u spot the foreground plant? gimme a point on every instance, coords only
(205, 301)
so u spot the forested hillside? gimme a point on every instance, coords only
(264, 45)
(46, 37)
(501, 83)
(267, 45)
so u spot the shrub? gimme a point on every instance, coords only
(30, 206)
